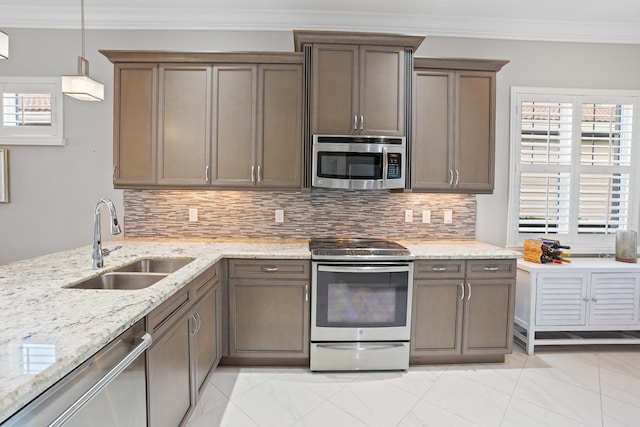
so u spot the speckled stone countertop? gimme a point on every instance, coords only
(38, 313)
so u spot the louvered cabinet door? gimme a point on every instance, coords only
(614, 299)
(561, 299)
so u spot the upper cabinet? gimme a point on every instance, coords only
(358, 82)
(257, 125)
(453, 140)
(135, 124)
(207, 120)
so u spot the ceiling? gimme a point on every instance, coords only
(612, 21)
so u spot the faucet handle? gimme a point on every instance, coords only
(106, 251)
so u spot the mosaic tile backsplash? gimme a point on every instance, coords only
(319, 213)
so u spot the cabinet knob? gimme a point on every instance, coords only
(594, 299)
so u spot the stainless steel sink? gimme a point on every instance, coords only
(121, 281)
(155, 265)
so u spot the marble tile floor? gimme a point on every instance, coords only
(595, 386)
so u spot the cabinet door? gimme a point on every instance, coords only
(135, 121)
(169, 376)
(432, 167)
(561, 299)
(382, 91)
(335, 89)
(280, 126)
(436, 324)
(185, 101)
(234, 125)
(268, 318)
(206, 339)
(488, 316)
(614, 299)
(475, 131)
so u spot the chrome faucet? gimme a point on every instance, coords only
(97, 254)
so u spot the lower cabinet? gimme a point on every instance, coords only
(462, 308)
(268, 309)
(186, 333)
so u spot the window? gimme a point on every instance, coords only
(31, 111)
(573, 172)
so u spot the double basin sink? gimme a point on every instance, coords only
(136, 275)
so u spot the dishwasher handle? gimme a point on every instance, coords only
(145, 343)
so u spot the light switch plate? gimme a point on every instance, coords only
(448, 216)
(408, 215)
(279, 215)
(426, 217)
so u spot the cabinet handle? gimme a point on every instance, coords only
(585, 299)
(594, 299)
(461, 291)
(269, 269)
(491, 268)
(206, 173)
(355, 123)
(450, 176)
(195, 324)
(114, 171)
(259, 175)
(457, 177)
(438, 268)
(252, 175)
(469, 295)
(361, 123)
(306, 293)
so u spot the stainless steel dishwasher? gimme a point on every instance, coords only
(109, 389)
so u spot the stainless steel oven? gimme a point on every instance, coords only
(359, 162)
(361, 305)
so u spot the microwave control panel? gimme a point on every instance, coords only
(394, 169)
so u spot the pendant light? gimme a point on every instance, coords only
(81, 86)
(4, 45)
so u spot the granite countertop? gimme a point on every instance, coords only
(67, 326)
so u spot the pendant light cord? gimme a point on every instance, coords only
(82, 23)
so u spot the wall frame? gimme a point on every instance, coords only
(4, 175)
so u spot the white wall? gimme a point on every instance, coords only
(54, 189)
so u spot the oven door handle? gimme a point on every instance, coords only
(361, 346)
(364, 269)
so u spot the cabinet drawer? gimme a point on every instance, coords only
(206, 280)
(447, 268)
(269, 268)
(490, 268)
(160, 319)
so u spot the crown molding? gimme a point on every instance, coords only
(98, 18)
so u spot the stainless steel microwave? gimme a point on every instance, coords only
(359, 162)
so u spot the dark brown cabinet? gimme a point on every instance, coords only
(269, 309)
(462, 309)
(454, 125)
(186, 334)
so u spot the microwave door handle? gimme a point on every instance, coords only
(385, 166)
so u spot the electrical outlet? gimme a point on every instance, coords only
(426, 217)
(408, 215)
(448, 216)
(279, 215)
(193, 214)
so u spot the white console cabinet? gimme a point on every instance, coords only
(590, 301)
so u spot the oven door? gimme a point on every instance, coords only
(355, 302)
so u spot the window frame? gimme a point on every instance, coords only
(582, 243)
(45, 135)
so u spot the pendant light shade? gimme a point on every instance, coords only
(4, 45)
(81, 86)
